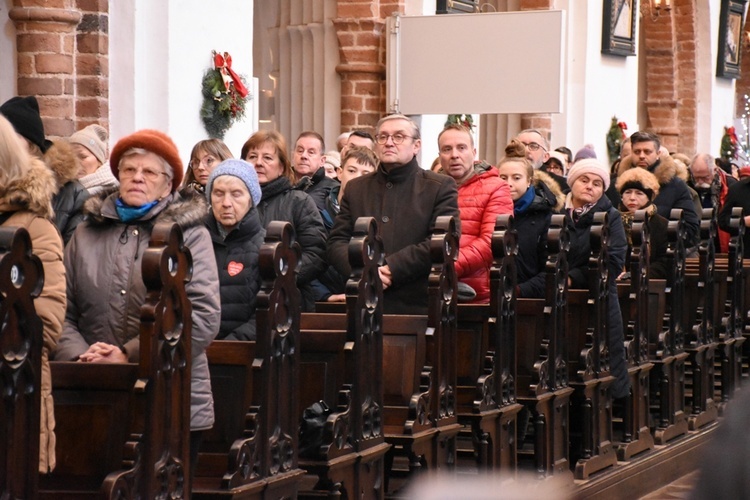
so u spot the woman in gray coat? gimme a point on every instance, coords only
(105, 288)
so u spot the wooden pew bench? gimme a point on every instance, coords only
(486, 362)
(342, 366)
(542, 363)
(632, 433)
(703, 284)
(252, 450)
(122, 430)
(21, 340)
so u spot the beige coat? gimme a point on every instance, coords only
(29, 199)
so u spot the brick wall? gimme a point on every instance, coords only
(360, 29)
(45, 42)
(63, 60)
(92, 64)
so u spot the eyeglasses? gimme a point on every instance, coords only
(207, 162)
(150, 175)
(397, 138)
(533, 146)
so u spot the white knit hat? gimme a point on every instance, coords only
(588, 166)
(94, 138)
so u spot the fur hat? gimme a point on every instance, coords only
(588, 166)
(155, 142)
(241, 169)
(94, 138)
(640, 179)
(23, 114)
(584, 153)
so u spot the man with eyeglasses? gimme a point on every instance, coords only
(712, 185)
(406, 201)
(537, 152)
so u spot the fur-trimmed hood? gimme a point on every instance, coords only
(666, 169)
(62, 160)
(33, 192)
(641, 176)
(186, 212)
(544, 180)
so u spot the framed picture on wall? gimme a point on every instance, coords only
(730, 38)
(618, 27)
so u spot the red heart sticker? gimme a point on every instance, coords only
(235, 268)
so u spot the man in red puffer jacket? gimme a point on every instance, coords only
(482, 196)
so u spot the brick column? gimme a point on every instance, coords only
(360, 29)
(539, 121)
(45, 41)
(92, 64)
(662, 76)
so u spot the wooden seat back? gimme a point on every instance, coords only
(21, 280)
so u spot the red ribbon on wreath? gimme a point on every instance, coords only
(223, 64)
(732, 135)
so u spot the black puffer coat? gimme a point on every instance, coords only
(532, 225)
(239, 276)
(578, 257)
(281, 202)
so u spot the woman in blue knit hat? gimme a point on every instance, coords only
(233, 192)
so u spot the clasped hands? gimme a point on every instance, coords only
(101, 352)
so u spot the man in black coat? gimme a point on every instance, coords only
(308, 163)
(406, 201)
(673, 191)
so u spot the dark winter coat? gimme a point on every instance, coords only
(578, 257)
(737, 196)
(105, 289)
(657, 229)
(532, 226)
(283, 203)
(239, 276)
(71, 195)
(318, 186)
(481, 199)
(673, 193)
(405, 201)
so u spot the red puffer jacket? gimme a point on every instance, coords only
(480, 200)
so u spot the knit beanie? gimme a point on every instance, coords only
(155, 142)
(241, 169)
(94, 138)
(588, 166)
(640, 179)
(23, 114)
(560, 158)
(584, 153)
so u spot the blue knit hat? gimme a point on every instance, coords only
(240, 169)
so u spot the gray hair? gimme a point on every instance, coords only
(415, 128)
(140, 151)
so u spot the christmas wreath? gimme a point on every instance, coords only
(224, 96)
(465, 120)
(615, 136)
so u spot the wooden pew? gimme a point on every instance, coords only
(21, 280)
(419, 374)
(542, 360)
(588, 362)
(342, 365)
(700, 320)
(262, 461)
(122, 430)
(731, 332)
(486, 361)
(666, 347)
(634, 435)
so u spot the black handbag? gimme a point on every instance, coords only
(311, 429)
